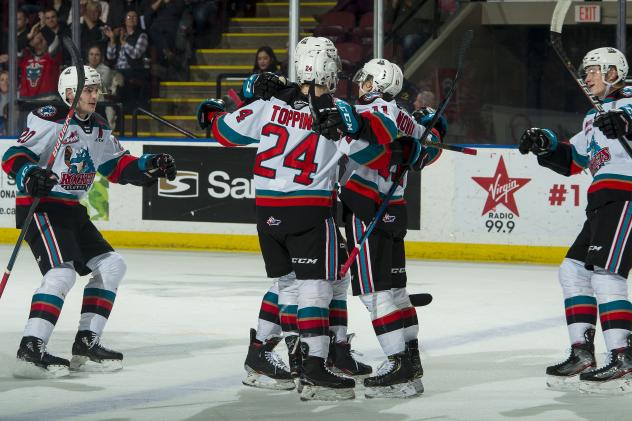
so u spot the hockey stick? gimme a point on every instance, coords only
(455, 148)
(557, 22)
(465, 43)
(81, 80)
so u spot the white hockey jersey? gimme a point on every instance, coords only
(293, 166)
(607, 161)
(87, 147)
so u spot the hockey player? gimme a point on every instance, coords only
(593, 273)
(294, 178)
(380, 273)
(61, 236)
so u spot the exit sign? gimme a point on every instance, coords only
(588, 13)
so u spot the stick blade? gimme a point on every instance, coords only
(559, 14)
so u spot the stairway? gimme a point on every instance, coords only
(234, 54)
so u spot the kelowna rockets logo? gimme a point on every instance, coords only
(501, 188)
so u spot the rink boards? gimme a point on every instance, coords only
(496, 206)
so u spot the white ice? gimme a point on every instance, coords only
(182, 321)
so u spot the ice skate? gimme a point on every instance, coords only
(615, 378)
(565, 375)
(89, 355)
(265, 369)
(319, 383)
(294, 354)
(394, 379)
(341, 359)
(33, 362)
(412, 348)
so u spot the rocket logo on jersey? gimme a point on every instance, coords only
(273, 222)
(81, 171)
(598, 156)
(73, 137)
(501, 189)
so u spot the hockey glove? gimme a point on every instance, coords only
(407, 152)
(614, 124)
(334, 118)
(207, 110)
(538, 141)
(425, 115)
(161, 166)
(37, 182)
(263, 85)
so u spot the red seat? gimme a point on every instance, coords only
(363, 34)
(351, 55)
(335, 25)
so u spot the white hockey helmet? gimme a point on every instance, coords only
(68, 80)
(309, 44)
(397, 83)
(379, 71)
(321, 66)
(605, 57)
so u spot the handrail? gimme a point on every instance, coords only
(120, 118)
(159, 119)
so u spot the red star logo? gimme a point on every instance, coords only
(501, 188)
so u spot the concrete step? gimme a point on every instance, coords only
(209, 72)
(195, 89)
(233, 57)
(282, 9)
(241, 40)
(269, 24)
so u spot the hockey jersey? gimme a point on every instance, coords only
(374, 184)
(293, 166)
(87, 147)
(607, 161)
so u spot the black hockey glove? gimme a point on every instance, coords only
(538, 141)
(263, 85)
(162, 166)
(425, 115)
(407, 151)
(207, 110)
(38, 182)
(333, 118)
(614, 124)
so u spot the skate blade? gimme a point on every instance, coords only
(402, 390)
(562, 384)
(26, 370)
(84, 364)
(319, 393)
(418, 385)
(620, 386)
(264, 382)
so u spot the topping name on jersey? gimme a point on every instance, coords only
(286, 117)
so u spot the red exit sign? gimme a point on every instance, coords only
(588, 13)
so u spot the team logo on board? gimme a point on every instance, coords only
(185, 185)
(501, 188)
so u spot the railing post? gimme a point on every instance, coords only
(135, 122)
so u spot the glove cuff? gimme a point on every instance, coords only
(145, 161)
(552, 137)
(22, 174)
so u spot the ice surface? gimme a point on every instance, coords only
(182, 320)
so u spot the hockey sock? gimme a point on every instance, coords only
(615, 309)
(108, 270)
(338, 309)
(47, 302)
(314, 296)
(579, 301)
(288, 304)
(408, 313)
(387, 321)
(269, 324)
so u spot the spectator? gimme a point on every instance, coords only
(39, 70)
(128, 50)
(110, 80)
(411, 30)
(62, 7)
(265, 61)
(53, 29)
(21, 22)
(4, 101)
(92, 28)
(162, 18)
(424, 99)
(208, 22)
(118, 9)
